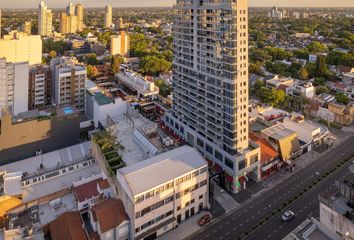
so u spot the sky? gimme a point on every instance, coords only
(163, 3)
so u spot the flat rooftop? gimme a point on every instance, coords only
(277, 131)
(165, 167)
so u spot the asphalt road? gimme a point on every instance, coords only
(233, 224)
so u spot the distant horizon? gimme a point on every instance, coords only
(32, 4)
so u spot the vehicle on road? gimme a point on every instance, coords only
(287, 216)
(204, 219)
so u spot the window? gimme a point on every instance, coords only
(195, 187)
(192, 201)
(254, 159)
(178, 208)
(159, 190)
(200, 197)
(137, 215)
(137, 229)
(169, 199)
(241, 164)
(202, 183)
(200, 143)
(149, 194)
(187, 204)
(139, 199)
(169, 185)
(178, 195)
(229, 163)
(218, 155)
(209, 149)
(195, 174)
(169, 213)
(203, 170)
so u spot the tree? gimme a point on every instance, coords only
(316, 47)
(322, 89)
(321, 67)
(91, 59)
(52, 54)
(272, 96)
(116, 61)
(302, 54)
(165, 90)
(258, 85)
(256, 68)
(319, 81)
(91, 71)
(153, 65)
(342, 98)
(107, 141)
(303, 74)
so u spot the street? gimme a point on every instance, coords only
(243, 219)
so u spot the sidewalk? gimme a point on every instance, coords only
(223, 198)
(184, 229)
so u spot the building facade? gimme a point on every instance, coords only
(69, 82)
(45, 20)
(108, 17)
(27, 27)
(210, 80)
(20, 47)
(72, 20)
(120, 44)
(39, 87)
(162, 201)
(14, 86)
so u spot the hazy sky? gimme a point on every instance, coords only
(149, 3)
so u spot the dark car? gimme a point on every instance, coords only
(204, 220)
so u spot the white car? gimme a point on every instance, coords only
(287, 216)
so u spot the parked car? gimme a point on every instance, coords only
(204, 220)
(287, 216)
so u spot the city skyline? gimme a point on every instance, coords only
(166, 3)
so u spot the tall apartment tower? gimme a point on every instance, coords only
(70, 9)
(14, 86)
(108, 16)
(68, 82)
(210, 80)
(120, 44)
(45, 19)
(0, 23)
(79, 12)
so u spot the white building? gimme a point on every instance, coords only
(69, 82)
(143, 87)
(99, 106)
(276, 81)
(275, 13)
(160, 192)
(301, 88)
(14, 86)
(45, 18)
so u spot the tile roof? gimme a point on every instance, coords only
(86, 190)
(267, 151)
(103, 184)
(109, 213)
(68, 226)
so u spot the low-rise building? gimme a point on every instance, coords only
(120, 44)
(68, 226)
(276, 81)
(343, 114)
(337, 211)
(303, 88)
(33, 132)
(109, 219)
(283, 140)
(161, 192)
(143, 88)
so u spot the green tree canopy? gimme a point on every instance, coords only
(116, 61)
(322, 89)
(342, 98)
(316, 47)
(153, 65)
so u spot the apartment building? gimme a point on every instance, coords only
(304, 89)
(14, 86)
(45, 20)
(69, 82)
(120, 44)
(210, 86)
(72, 20)
(39, 87)
(162, 191)
(20, 47)
(108, 17)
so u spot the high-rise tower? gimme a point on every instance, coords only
(210, 82)
(108, 16)
(45, 18)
